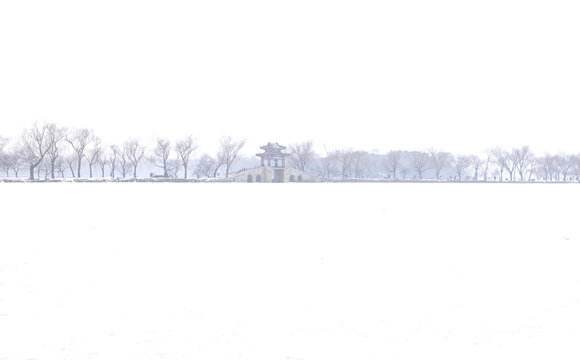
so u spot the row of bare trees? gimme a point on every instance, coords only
(52, 151)
(497, 164)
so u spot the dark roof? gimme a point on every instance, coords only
(274, 146)
(272, 150)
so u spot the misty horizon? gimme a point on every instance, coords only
(56, 150)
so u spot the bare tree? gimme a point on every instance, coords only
(522, 159)
(532, 169)
(439, 159)
(12, 161)
(70, 161)
(45, 167)
(461, 164)
(345, 159)
(113, 156)
(503, 159)
(124, 162)
(204, 166)
(228, 153)
(476, 162)
(487, 163)
(420, 162)
(16, 163)
(102, 161)
(562, 164)
(161, 155)
(326, 167)
(135, 152)
(34, 146)
(60, 167)
(359, 162)
(392, 162)
(302, 155)
(94, 153)
(511, 165)
(79, 139)
(56, 136)
(184, 149)
(550, 167)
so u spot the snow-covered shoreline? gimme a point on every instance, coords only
(230, 180)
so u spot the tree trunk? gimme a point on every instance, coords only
(79, 168)
(184, 170)
(31, 172)
(52, 168)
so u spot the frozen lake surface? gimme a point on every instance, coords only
(289, 271)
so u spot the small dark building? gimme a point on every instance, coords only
(274, 157)
(273, 168)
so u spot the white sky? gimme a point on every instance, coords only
(457, 75)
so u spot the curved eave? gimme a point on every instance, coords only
(273, 155)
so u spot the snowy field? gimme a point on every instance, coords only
(289, 271)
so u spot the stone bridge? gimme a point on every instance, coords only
(273, 174)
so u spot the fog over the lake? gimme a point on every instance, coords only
(455, 75)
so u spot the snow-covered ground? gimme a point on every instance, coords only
(289, 271)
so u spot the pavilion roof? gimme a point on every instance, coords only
(272, 150)
(273, 146)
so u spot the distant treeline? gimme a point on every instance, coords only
(49, 151)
